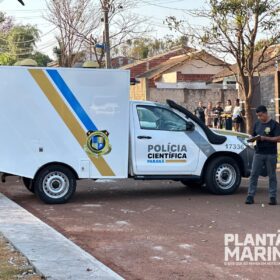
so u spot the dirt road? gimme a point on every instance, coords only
(157, 230)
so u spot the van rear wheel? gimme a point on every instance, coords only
(223, 176)
(55, 184)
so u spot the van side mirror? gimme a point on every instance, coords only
(190, 126)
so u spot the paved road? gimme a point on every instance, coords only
(157, 230)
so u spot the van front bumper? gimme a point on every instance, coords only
(247, 158)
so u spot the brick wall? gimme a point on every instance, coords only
(189, 98)
(264, 93)
(186, 78)
(193, 77)
(267, 88)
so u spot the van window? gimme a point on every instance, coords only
(158, 118)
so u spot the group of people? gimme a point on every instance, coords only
(218, 117)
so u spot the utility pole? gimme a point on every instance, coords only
(106, 7)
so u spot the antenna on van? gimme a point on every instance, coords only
(21, 2)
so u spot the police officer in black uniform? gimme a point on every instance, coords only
(267, 133)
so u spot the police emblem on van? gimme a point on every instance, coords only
(98, 143)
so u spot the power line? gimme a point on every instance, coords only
(148, 3)
(28, 41)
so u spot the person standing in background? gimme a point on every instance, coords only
(199, 112)
(237, 115)
(209, 114)
(217, 111)
(228, 115)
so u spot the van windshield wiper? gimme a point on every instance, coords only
(21, 2)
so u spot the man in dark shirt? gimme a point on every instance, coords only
(200, 112)
(267, 134)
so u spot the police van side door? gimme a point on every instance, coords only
(162, 143)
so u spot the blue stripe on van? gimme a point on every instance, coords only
(72, 100)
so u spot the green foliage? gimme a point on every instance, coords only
(146, 47)
(22, 40)
(263, 43)
(57, 52)
(16, 41)
(240, 7)
(140, 48)
(6, 59)
(41, 58)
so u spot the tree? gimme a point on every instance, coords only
(16, 41)
(22, 40)
(260, 44)
(80, 24)
(72, 17)
(41, 59)
(57, 53)
(6, 23)
(144, 47)
(233, 28)
(140, 48)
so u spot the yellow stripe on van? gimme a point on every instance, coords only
(175, 161)
(68, 118)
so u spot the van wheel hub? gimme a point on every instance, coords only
(225, 176)
(55, 184)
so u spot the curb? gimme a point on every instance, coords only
(51, 254)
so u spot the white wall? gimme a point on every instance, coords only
(169, 77)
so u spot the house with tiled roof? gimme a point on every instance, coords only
(141, 66)
(193, 69)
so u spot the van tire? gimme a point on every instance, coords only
(29, 184)
(55, 184)
(223, 176)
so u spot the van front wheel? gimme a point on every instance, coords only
(223, 176)
(55, 184)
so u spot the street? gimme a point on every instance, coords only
(157, 229)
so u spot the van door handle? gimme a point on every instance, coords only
(144, 137)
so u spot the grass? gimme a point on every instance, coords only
(13, 265)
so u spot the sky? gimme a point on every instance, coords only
(155, 10)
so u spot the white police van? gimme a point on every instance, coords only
(60, 125)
